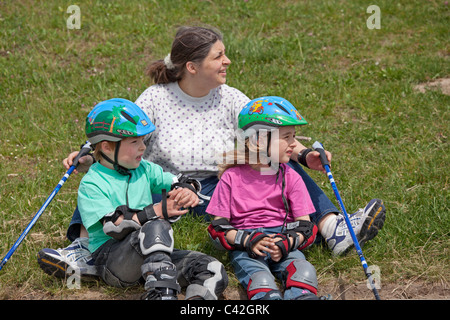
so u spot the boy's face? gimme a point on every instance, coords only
(130, 152)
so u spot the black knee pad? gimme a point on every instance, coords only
(156, 235)
(206, 276)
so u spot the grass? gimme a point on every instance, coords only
(353, 85)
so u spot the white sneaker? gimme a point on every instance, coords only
(76, 255)
(372, 221)
(365, 222)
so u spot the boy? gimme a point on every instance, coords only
(129, 237)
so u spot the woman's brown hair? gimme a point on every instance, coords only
(190, 44)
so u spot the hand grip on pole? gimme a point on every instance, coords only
(317, 146)
(85, 149)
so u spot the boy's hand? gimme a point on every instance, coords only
(184, 197)
(179, 199)
(173, 209)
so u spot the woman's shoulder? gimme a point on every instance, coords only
(153, 96)
(226, 89)
(156, 88)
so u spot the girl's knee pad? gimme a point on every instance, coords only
(263, 281)
(301, 274)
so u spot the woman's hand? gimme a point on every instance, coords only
(313, 160)
(84, 163)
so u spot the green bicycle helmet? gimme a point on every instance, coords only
(268, 113)
(115, 119)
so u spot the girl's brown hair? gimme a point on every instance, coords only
(251, 154)
(190, 44)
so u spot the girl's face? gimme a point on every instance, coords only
(130, 152)
(213, 69)
(284, 144)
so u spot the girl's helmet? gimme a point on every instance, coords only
(115, 119)
(268, 113)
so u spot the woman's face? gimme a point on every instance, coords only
(213, 69)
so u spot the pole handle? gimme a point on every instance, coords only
(85, 149)
(317, 146)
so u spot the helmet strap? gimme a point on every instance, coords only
(283, 186)
(115, 163)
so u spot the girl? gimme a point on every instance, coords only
(261, 205)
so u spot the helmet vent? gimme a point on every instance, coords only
(281, 107)
(128, 117)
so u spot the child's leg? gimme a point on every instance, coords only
(298, 276)
(123, 263)
(204, 276)
(156, 244)
(255, 276)
(119, 264)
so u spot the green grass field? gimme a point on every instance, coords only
(354, 85)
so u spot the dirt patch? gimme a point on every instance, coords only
(438, 84)
(338, 291)
(412, 290)
(390, 291)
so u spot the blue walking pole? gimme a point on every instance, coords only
(84, 150)
(317, 146)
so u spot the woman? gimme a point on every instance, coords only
(196, 116)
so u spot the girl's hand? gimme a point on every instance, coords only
(264, 245)
(276, 254)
